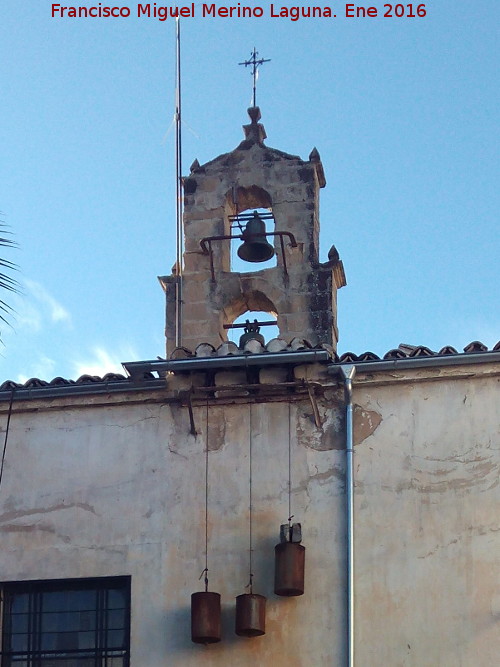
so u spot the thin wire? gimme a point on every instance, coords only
(9, 415)
(178, 187)
(250, 503)
(206, 499)
(290, 515)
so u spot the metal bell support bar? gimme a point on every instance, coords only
(206, 245)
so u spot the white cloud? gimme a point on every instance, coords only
(101, 361)
(26, 315)
(50, 306)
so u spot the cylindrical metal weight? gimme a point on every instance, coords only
(205, 618)
(289, 562)
(250, 615)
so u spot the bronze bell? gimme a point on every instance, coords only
(255, 247)
(205, 618)
(250, 615)
(289, 562)
(251, 333)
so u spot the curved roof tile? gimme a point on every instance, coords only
(447, 349)
(35, 382)
(396, 353)
(475, 346)
(276, 345)
(348, 357)
(421, 351)
(368, 356)
(10, 384)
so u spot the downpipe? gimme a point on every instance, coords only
(348, 373)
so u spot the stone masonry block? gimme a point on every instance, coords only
(228, 378)
(273, 375)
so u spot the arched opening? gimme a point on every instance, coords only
(241, 206)
(254, 305)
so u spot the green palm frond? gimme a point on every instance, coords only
(7, 282)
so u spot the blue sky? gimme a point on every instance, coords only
(404, 112)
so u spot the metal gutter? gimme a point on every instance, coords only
(421, 362)
(90, 388)
(348, 373)
(138, 368)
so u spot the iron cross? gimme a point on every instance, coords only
(255, 63)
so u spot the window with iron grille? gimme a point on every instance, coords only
(66, 623)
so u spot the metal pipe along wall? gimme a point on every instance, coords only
(348, 373)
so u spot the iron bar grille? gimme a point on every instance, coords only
(66, 623)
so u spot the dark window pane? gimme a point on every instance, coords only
(116, 619)
(69, 600)
(49, 641)
(19, 642)
(20, 603)
(116, 638)
(116, 599)
(83, 625)
(68, 621)
(19, 622)
(86, 640)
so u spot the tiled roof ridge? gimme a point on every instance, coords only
(35, 383)
(274, 346)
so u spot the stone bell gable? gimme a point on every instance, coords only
(300, 291)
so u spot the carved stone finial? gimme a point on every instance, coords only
(254, 113)
(314, 155)
(316, 160)
(195, 165)
(333, 254)
(254, 132)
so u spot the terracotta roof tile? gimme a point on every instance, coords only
(447, 349)
(475, 346)
(253, 346)
(204, 350)
(86, 379)
(348, 358)
(277, 345)
(113, 377)
(35, 382)
(396, 353)
(9, 384)
(422, 351)
(300, 344)
(274, 346)
(227, 349)
(368, 356)
(60, 382)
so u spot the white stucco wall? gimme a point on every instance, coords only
(119, 489)
(428, 524)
